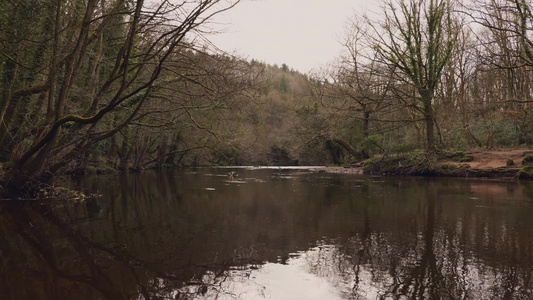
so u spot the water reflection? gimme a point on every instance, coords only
(272, 234)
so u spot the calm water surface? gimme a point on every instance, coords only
(272, 234)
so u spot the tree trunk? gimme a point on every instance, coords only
(366, 122)
(350, 149)
(366, 129)
(474, 138)
(429, 116)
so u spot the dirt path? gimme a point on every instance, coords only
(492, 159)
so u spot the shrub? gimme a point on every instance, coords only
(403, 147)
(510, 162)
(527, 160)
(372, 144)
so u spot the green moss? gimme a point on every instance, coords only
(370, 162)
(447, 169)
(460, 156)
(527, 160)
(447, 166)
(413, 163)
(525, 173)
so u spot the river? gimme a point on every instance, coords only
(271, 233)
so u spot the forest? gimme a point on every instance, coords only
(126, 85)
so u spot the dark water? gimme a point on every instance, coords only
(272, 234)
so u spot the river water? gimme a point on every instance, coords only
(271, 233)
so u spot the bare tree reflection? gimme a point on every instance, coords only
(445, 251)
(165, 236)
(35, 245)
(44, 256)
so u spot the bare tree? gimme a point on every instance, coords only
(365, 83)
(417, 38)
(507, 43)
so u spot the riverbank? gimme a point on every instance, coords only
(504, 163)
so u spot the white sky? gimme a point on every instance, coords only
(304, 34)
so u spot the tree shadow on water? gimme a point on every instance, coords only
(44, 254)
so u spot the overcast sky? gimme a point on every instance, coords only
(304, 34)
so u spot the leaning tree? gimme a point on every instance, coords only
(73, 73)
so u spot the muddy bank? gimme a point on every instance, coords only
(505, 164)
